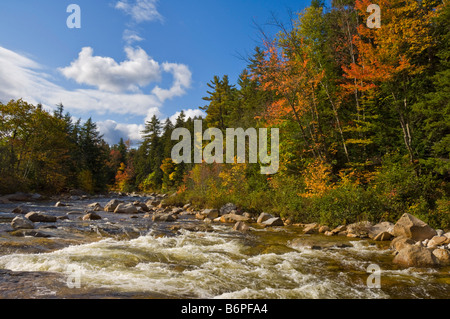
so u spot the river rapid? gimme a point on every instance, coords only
(165, 260)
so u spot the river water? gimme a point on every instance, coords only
(270, 263)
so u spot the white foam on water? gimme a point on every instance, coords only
(204, 265)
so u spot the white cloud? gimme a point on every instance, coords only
(130, 37)
(182, 81)
(189, 114)
(21, 77)
(108, 75)
(140, 10)
(112, 132)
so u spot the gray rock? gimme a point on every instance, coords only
(241, 226)
(208, 213)
(126, 209)
(384, 227)
(276, 221)
(360, 229)
(37, 217)
(112, 205)
(92, 216)
(411, 227)
(164, 218)
(383, 236)
(415, 256)
(227, 209)
(439, 232)
(22, 223)
(263, 217)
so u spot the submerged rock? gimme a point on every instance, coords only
(241, 226)
(411, 227)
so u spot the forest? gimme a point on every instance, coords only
(363, 114)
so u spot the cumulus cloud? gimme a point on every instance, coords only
(182, 80)
(106, 74)
(21, 77)
(140, 10)
(112, 132)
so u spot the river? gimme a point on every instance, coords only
(161, 261)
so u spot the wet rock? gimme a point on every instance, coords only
(126, 209)
(272, 222)
(227, 209)
(359, 229)
(22, 223)
(207, 213)
(329, 233)
(20, 210)
(60, 204)
(323, 229)
(241, 226)
(192, 228)
(401, 242)
(443, 256)
(436, 241)
(263, 217)
(141, 206)
(384, 227)
(38, 217)
(317, 245)
(311, 228)
(74, 213)
(167, 218)
(339, 229)
(414, 228)
(383, 236)
(96, 207)
(415, 256)
(92, 216)
(112, 205)
(233, 218)
(31, 233)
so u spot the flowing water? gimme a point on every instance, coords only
(264, 263)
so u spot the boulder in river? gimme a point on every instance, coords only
(383, 236)
(96, 207)
(112, 205)
(207, 213)
(241, 226)
(415, 256)
(263, 217)
(359, 229)
(20, 222)
(311, 228)
(401, 242)
(383, 227)
(276, 221)
(126, 209)
(443, 256)
(91, 216)
(411, 227)
(164, 218)
(233, 218)
(37, 217)
(436, 241)
(227, 209)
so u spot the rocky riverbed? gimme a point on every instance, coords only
(138, 247)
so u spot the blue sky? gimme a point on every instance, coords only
(130, 59)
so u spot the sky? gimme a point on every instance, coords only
(129, 59)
